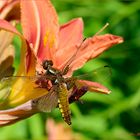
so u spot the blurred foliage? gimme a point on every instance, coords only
(114, 116)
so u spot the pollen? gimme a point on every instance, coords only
(51, 43)
(49, 39)
(46, 38)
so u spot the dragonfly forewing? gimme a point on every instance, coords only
(100, 74)
(14, 86)
(5, 88)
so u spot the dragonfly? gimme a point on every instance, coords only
(61, 89)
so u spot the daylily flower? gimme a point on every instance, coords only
(60, 131)
(43, 38)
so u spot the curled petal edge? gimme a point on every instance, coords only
(11, 116)
(93, 86)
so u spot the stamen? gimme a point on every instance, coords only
(105, 26)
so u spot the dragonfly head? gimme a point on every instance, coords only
(47, 63)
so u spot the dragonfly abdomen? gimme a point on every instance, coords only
(64, 103)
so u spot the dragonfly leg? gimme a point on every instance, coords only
(70, 82)
(65, 70)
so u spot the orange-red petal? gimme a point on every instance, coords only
(70, 36)
(40, 27)
(25, 50)
(8, 27)
(30, 22)
(92, 47)
(49, 30)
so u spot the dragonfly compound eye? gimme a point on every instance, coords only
(50, 63)
(47, 63)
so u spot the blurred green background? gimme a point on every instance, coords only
(114, 116)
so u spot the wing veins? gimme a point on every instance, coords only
(106, 70)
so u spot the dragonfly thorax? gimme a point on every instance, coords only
(54, 74)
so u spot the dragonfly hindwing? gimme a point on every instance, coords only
(47, 102)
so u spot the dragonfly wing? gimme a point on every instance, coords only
(47, 102)
(5, 88)
(100, 74)
(17, 84)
